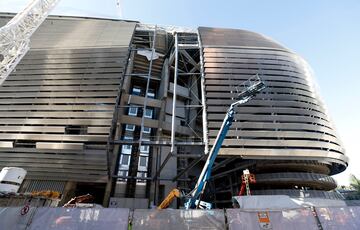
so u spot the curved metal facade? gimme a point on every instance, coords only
(287, 121)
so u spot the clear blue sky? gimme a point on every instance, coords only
(325, 32)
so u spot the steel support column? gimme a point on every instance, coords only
(203, 97)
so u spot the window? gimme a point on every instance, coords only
(123, 173)
(133, 111)
(151, 93)
(148, 113)
(129, 127)
(136, 90)
(127, 148)
(128, 138)
(147, 130)
(141, 175)
(144, 148)
(143, 161)
(125, 159)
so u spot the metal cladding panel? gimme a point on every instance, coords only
(231, 37)
(287, 117)
(76, 33)
(79, 33)
(56, 108)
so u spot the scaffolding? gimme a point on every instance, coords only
(186, 46)
(181, 67)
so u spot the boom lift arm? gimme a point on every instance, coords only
(255, 86)
(175, 193)
(15, 35)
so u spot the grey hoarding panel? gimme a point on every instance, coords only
(82, 218)
(11, 218)
(295, 219)
(178, 219)
(260, 202)
(339, 218)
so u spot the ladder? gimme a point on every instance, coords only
(15, 35)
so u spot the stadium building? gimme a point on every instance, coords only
(91, 109)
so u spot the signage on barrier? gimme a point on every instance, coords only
(264, 220)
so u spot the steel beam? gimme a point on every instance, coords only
(190, 166)
(240, 167)
(174, 97)
(203, 95)
(157, 143)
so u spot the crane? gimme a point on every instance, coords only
(253, 86)
(15, 35)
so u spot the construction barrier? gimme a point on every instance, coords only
(64, 218)
(15, 218)
(339, 217)
(294, 219)
(33, 218)
(174, 219)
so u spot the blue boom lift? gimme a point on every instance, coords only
(252, 87)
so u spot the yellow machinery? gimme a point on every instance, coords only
(175, 193)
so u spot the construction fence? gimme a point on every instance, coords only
(117, 218)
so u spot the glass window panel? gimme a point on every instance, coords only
(151, 93)
(148, 113)
(136, 91)
(144, 148)
(129, 127)
(125, 159)
(143, 161)
(133, 111)
(147, 130)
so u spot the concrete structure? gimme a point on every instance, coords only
(91, 109)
